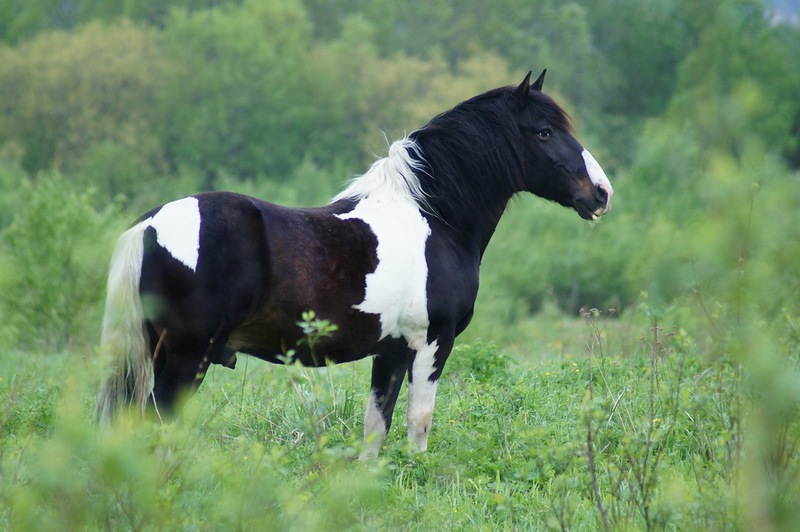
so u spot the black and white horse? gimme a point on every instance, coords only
(393, 261)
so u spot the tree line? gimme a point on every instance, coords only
(116, 106)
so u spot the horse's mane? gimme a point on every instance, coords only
(475, 154)
(464, 159)
(395, 174)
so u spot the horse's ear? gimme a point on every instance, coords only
(537, 85)
(521, 92)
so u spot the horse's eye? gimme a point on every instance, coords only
(545, 133)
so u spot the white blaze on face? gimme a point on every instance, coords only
(396, 290)
(597, 175)
(177, 226)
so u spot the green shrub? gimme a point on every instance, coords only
(52, 275)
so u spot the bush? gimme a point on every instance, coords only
(52, 273)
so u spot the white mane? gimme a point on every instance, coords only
(394, 174)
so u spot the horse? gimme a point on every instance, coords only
(393, 261)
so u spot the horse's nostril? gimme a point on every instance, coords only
(601, 194)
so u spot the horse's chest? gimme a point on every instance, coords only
(396, 289)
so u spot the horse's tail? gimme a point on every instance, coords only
(123, 339)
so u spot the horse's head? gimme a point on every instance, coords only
(558, 168)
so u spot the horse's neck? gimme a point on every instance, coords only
(474, 228)
(469, 195)
(486, 230)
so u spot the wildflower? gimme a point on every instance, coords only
(546, 373)
(452, 421)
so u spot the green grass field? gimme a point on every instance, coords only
(641, 432)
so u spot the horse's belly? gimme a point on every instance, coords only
(354, 336)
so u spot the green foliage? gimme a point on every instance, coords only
(65, 92)
(661, 436)
(482, 363)
(542, 252)
(10, 179)
(238, 66)
(554, 33)
(52, 273)
(307, 185)
(175, 476)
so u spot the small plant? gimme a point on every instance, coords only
(310, 390)
(314, 329)
(632, 424)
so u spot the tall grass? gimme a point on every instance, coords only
(662, 436)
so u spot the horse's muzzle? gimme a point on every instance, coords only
(595, 206)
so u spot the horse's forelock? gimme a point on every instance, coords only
(545, 106)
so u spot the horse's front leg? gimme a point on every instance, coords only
(388, 371)
(425, 368)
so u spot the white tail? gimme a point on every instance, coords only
(123, 339)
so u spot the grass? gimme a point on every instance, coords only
(658, 437)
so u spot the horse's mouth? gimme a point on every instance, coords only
(587, 213)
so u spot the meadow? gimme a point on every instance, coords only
(621, 424)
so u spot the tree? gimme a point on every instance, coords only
(21, 19)
(233, 89)
(63, 93)
(741, 90)
(546, 34)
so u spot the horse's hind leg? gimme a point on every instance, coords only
(180, 368)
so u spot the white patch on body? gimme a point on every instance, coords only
(396, 290)
(422, 396)
(177, 226)
(390, 201)
(597, 175)
(374, 428)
